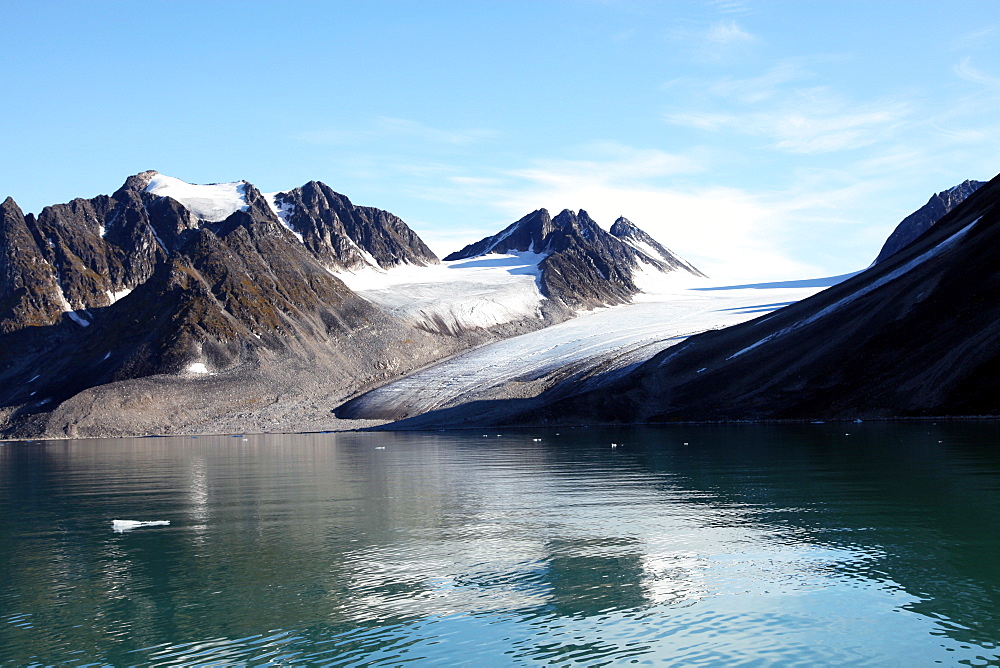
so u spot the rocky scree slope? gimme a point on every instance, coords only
(101, 296)
(583, 266)
(916, 335)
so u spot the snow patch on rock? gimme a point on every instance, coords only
(283, 211)
(212, 203)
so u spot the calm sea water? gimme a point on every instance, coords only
(753, 545)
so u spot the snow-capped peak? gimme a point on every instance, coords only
(213, 202)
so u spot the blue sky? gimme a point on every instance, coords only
(757, 139)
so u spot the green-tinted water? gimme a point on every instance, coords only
(809, 544)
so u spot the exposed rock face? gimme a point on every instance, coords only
(657, 254)
(582, 266)
(916, 335)
(921, 220)
(344, 236)
(114, 290)
(29, 286)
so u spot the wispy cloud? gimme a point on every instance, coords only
(805, 131)
(727, 33)
(728, 232)
(967, 72)
(795, 117)
(716, 43)
(613, 163)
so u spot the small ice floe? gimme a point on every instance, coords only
(121, 526)
(858, 421)
(380, 447)
(536, 440)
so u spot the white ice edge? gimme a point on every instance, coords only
(121, 526)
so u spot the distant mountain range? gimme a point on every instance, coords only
(172, 307)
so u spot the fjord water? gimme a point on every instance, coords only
(711, 545)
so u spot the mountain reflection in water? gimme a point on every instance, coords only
(871, 543)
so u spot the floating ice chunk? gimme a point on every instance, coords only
(121, 526)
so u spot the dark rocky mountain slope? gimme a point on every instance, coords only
(131, 314)
(916, 335)
(342, 235)
(921, 220)
(582, 266)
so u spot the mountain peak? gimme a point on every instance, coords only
(583, 265)
(922, 219)
(138, 182)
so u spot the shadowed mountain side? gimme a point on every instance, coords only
(921, 220)
(916, 335)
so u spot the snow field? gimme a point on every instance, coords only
(673, 308)
(214, 202)
(461, 294)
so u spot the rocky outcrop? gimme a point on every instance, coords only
(923, 218)
(29, 287)
(654, 252)
(580, 265)
(344, 236)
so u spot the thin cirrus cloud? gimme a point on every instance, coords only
(967, 72)
(727, 33)
(803, 120)
(716, 43)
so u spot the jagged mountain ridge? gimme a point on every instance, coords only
(90, 252)
(103, 292)
(915, 335)
(923, 218)
(583, 265)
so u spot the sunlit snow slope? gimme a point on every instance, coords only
(457, 295)
(213, 202)
(671, 308)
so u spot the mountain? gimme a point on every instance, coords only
(650, 250)
(921, 220)
(176, 306)
(917, 334)
(580, 264)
